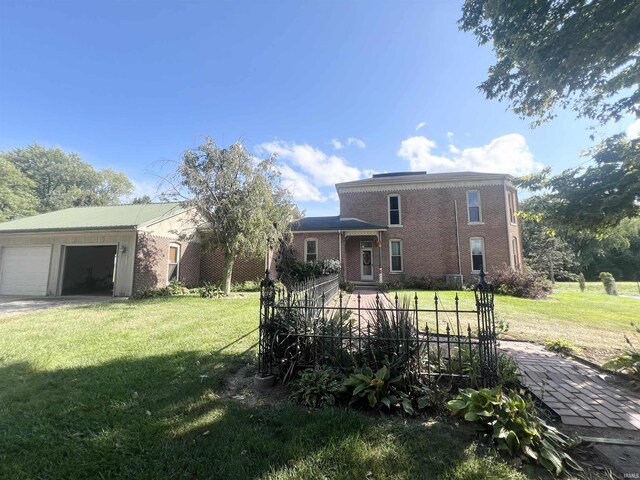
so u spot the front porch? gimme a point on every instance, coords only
(363, 261)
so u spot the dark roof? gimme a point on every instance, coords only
(311, 224)
(94, 218)
(397, 174)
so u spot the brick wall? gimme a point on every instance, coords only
(212, 266)
(328, 245)
(428, 231)
(152, 262)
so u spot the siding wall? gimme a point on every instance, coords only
(124, 240)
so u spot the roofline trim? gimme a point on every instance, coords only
(353, 187)
(117, 228)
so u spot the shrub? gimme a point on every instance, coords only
(347, 287)
(246, 286)
(629, 361)
(211, 290)
(520, 283)
(174, 288)
(609, 283)
(561, 346)
(302, 271)
(582, 282)
(317, 387)
(512, 423)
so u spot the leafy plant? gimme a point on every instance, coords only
(581, 282)
(377, 389)
(174, 288)
(560, 346)
(211, 290)
(629, 361)
(609, 283)
(513, 424)
(246, 286)
(317, 387)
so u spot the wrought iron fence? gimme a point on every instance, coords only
(311, 326)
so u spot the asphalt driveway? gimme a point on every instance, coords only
(18, 305)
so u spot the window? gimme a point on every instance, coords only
(473, 203)
(514, 247)
(310, 250)
(394, 210)
(512, 207)
(174, 262)
(477, 255)
(395, 248)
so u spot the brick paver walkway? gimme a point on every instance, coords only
(579, 394)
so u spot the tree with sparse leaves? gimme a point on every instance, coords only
(577, 54)
(62, 180)
(239, 197)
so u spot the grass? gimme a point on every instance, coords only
(592, 321)
(118, 390)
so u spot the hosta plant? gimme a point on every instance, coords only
(512, 423)
(317, 387)
(629, 361)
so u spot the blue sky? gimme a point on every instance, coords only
(337, 89)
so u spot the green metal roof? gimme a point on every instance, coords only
(94, 218)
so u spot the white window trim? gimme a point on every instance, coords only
(391, 270)
(511, 200)
(469, 222)
(484, 256)
(389, 210)
(306, 242)
(178, 257)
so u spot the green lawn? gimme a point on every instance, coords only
(116, 391)
(592, 321)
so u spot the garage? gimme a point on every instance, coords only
(89, 270)
(24, 270)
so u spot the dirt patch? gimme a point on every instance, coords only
(239, 386)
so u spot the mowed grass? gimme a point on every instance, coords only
(592, 320)
(136, 389)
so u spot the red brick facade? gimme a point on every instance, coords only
(152, 262)
(430, 245)
(212, 266)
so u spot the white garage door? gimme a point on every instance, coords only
(24, 270)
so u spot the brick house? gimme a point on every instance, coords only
(413, 224)
(112, 250)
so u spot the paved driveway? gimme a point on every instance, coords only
(17, 305)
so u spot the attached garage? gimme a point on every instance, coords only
(24, 270)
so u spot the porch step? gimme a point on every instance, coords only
(365, 285)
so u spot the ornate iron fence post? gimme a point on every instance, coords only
(267, 301)
(487, 338)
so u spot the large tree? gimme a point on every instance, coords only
(577, 54)
(62, 180)
(239, 197)
(16, 193)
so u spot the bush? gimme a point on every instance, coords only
(419, 283)
(629, 361)
(211, 290)
(174, 288)
(317, 387)
(563, 347)
(246, 286)
(347, 287)
(512, 423)
(582, 282)
(520, 283)
(609, 283)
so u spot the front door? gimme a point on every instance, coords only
(366, 260)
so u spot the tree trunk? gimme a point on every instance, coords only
(226, 273)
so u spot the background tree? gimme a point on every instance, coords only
(62, 180)
(145, 199)
(16, 193)
(239, 197)
(575, 54)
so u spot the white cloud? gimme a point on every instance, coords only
(506, 154)
(633, 130)
(299, 186)
(450, 136)
(420, 125)
(337, 144)
(144, 187)
(356, 142)
(322, 169)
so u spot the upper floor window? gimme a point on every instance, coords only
(395, 248)
(512, 207)
(514, 247)
(310, 250)
(174, 262)
(473, 203)
(394, 210)
(477, 255)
